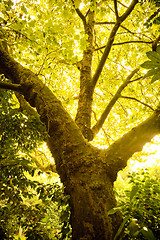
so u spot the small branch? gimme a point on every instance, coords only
(132, 98)
(127, 42)
(122, 4)
(87, 13)
(11, 86)
(19, 33)
(79, 13)
(105, 54)
(121, 43)
(116, 9)
(128, 11)
(101, 23)
(129, 31)
(135, 80)
(134, 33)
(106, 135)
(45, 58)
(117, 95)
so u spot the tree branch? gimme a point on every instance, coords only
(11, 86)
(106, 22)
(110, 42)
(116, 9)
(132, 98)
(100, 122)
(122, 4)
(133, 141)
(128, 11)
(129, 31)
(127, 42)
(79, 13)
(105, 54)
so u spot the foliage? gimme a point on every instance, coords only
(153, 65)
(155, 17)
(139, 205)
(24, 202)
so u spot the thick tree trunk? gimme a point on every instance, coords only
(91, 197)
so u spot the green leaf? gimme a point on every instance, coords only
(153, 56)
(149, 65)
(121, 227)
(133, 228)
(113, 211)
(152, 72)
(156, 77)
(148, 234)
(133, 192)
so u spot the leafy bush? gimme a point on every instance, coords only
(140, 207)
(24, 203)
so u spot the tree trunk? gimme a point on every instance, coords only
(91, 196)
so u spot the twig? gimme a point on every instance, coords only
(132, 98)
(127, 42)
(122, 4)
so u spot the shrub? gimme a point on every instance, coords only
(140, 207)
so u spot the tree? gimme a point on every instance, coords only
(53, 30)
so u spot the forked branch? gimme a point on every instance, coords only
(110, 42)
(79, 13)
(117, 95)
